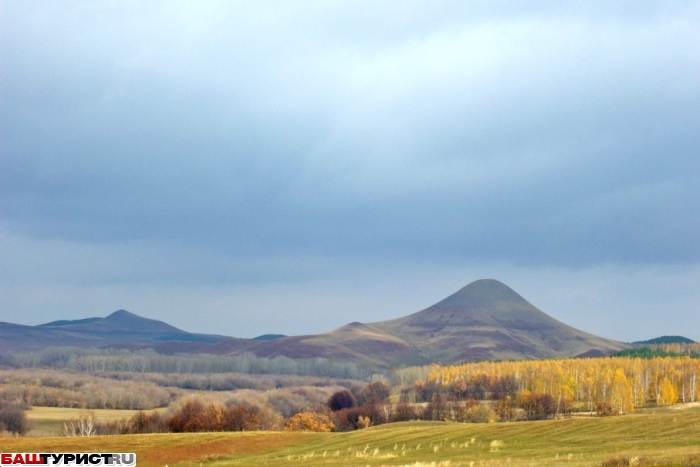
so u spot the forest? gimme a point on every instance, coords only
(195, 398)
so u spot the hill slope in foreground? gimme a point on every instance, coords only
(486, 320)
(668, 439)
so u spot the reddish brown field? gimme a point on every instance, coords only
(163, 449)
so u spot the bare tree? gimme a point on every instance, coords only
(85, 425)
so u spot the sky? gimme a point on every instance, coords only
(252, 167)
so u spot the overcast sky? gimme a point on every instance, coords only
(257, 167)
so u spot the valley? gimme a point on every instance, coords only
(480, 378)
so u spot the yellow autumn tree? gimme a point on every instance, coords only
(364, 422)
(621, 382)
(621, 396)
(564, 398)
(310, 421)
(668, 394)
(214, 418)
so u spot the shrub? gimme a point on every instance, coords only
(188, 418)
(436, 409)
(194, 416)
(13, 419)
(502, 387)
(290, 401)
(363, 422)
(605, 409)
(377, 413)
(346, 419)
(349, 419)
(145, 422)
(504, 408)
(478, 385)
(625, 462)
(242, 418)
(116, 427)
(403, 412)
(423, 392)
(286, 403)
(459, 388)
(481, 413)
(309, 421)
(538, 406)
(341, 400)
(376, 391)
(85, 425)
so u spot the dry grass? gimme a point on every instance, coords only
(61, 413)
(659, 439)
(47, 421)
(688, 406)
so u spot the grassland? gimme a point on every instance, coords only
(47, 421)
(671, 438)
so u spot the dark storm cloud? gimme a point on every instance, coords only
(222, 135)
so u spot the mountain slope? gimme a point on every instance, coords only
(121, 328)
(486, 320)
(360, 343)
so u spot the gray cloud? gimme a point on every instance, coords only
(266, 143)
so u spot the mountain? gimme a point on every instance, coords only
(486, 320)
(119, 329)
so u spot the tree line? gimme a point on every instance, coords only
(194, 415)
(472, 392)
(344, 410)
(582, 384)
(50, 388)
(673, 349)
(101, 361)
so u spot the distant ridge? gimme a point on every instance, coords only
(666, 340)
(121, 329)
(269, 337)
(68, 322)
(485, 320)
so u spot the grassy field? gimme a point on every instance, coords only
(47, 421)
(648, 439)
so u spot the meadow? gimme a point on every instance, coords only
(47, 421)
(664, 438)
(553, 402)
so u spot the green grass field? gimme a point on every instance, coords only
(648, 439)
